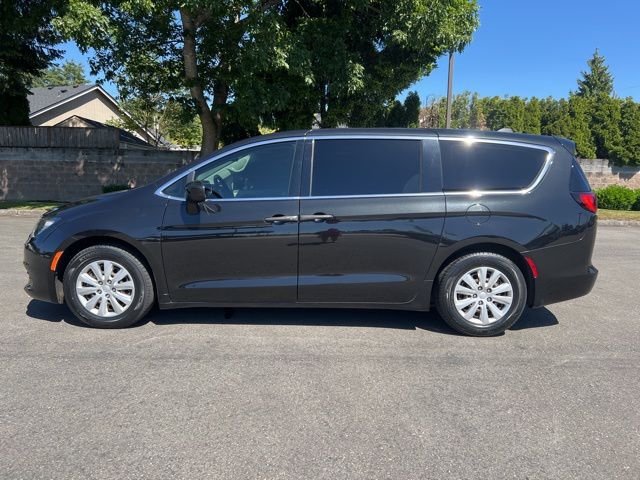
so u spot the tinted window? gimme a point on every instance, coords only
(578, 181)
(176, 189)
(258, 172)
(489, 166)
(365, 167)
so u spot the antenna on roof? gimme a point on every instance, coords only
(506, 129)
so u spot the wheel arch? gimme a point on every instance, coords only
(78, 244)
(501, 249)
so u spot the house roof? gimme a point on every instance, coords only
(44, 98)
(125, 137)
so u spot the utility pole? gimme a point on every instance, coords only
(449, 89)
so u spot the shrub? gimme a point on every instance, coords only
(616, 197)
(636, 206)
(114, 188)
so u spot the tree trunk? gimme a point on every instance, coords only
(210, 128)
(220, 95)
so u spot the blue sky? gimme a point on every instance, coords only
(535, 48)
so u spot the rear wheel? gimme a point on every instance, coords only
(107, 287)
(481, 294)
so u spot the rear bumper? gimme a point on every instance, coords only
(564, 272)
(42, 283)
(563, 288)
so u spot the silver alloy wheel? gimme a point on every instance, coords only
(483, 295)
(105, 288)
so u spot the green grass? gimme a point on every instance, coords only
(27, 205)
(618, 214)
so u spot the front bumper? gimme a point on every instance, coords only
(42, 284)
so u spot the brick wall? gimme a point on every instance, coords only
(601, 174)
(72, 173)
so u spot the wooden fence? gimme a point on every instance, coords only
(59, 137)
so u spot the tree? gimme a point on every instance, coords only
(69, 73)
(397, 115)
(26, 47)
(630, 129)
(531, 122)
(432, 115)
(460, 110)
(606, 119)
(250, 63)
(477, 120)
(572, 120)
(401, 115)
(598, 80)
(164, 117)
(412, 110)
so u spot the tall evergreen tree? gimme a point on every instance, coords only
(597, 80)
(630, 127)
(532, 116)
(26, 48)
(412, 109)
(606, 119)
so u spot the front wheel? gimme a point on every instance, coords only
(481, 294)
(107, 287)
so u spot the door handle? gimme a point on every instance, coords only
(280, 219)
(317, 217)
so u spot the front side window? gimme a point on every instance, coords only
(257, 172)
(480, 166)
(365, 167)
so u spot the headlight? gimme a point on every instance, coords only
(43, 224)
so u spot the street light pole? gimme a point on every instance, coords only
(449, 90)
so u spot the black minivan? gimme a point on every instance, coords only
(479, 224)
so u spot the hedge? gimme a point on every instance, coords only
(617, 197)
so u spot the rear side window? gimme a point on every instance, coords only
(578, 181)
(365, 167)
(489, 166)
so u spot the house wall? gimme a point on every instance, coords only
(93, 105)
(71, 173)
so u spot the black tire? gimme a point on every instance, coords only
(449, 277)
(143, 297)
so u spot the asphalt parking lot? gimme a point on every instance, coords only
(312, 394)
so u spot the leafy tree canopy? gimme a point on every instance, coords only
(68, 73)
(277, 63)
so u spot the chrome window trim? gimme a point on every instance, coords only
(470, 139)
(159, 190)
(522, 191)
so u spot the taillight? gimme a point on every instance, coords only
(587, 200)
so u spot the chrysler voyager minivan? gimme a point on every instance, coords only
(480, 225)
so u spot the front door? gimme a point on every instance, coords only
(372, 221)
(242, 248)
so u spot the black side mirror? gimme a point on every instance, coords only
(196, 198)
(196, 192)
(196, 195)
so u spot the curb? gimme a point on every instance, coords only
(618, 223)
(14, 212)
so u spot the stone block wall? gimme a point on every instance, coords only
(71, 173)
(601, 174)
